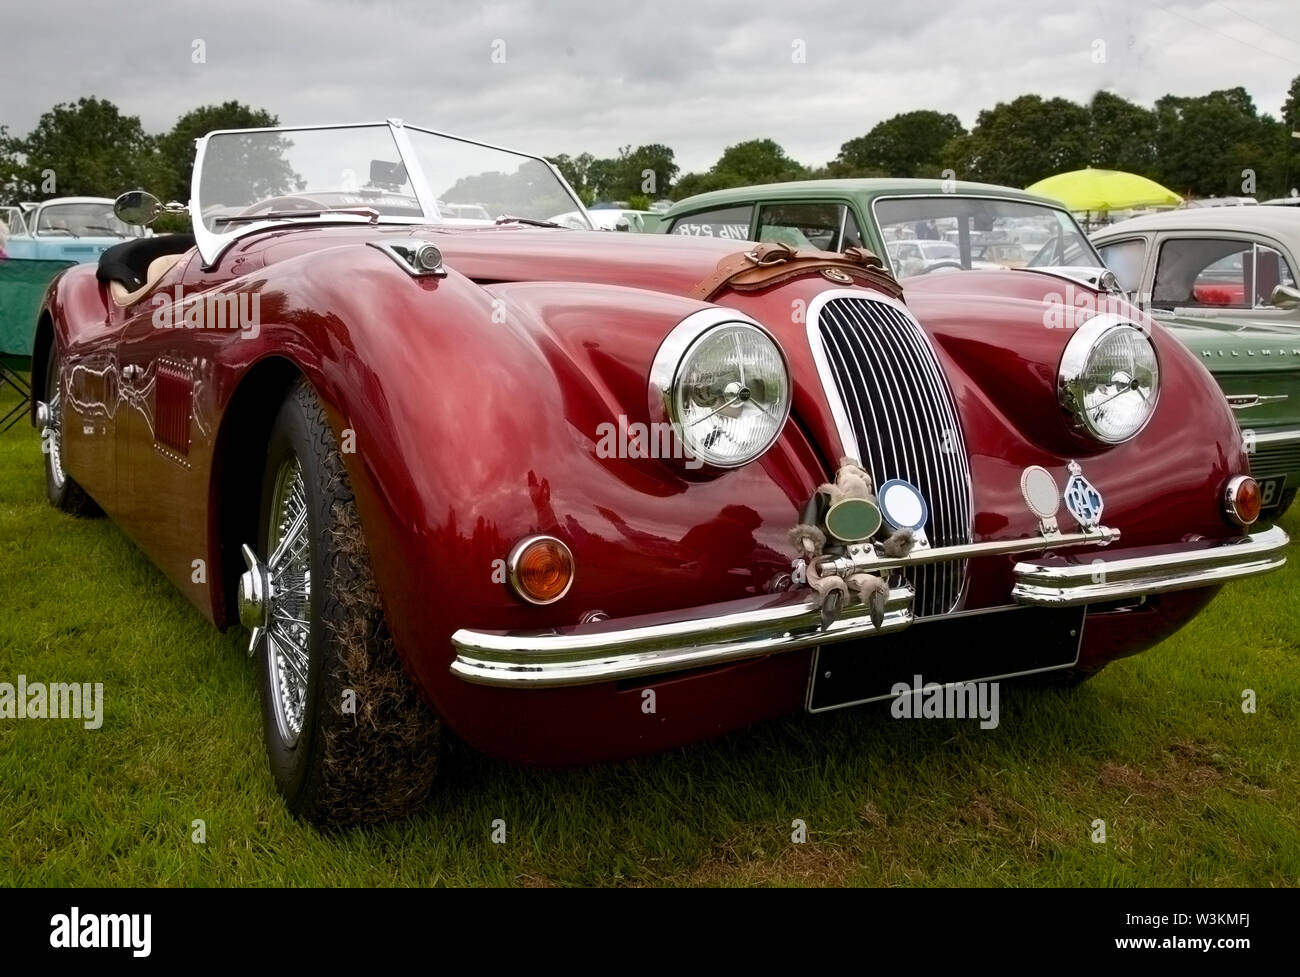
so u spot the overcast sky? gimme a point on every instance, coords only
(572, 75)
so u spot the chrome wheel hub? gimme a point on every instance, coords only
(275, 601)
(254, 595)
(50, 418)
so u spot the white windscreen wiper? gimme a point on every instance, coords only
(276, 215)
(530, 221)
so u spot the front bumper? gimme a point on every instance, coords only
(1057, 581)
(655, 644)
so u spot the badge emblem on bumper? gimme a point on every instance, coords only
(1082, 498)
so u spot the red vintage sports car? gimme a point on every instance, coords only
(577, 495)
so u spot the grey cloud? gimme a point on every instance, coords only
(594, 76)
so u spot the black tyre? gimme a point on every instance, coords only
(349, 739)
(60, 488)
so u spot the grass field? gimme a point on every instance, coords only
(1192, 790)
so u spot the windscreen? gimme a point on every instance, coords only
(953, 232)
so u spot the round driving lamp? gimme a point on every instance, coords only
(540, 569)
(1242, 500)
(1109, 379)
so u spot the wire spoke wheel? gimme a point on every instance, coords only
(61, 489)
(54, 440)
(348, 736)
(288, 625)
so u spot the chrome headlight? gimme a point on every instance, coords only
(722, 382)
(1109, 378)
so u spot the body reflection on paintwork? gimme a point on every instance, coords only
(475, 401)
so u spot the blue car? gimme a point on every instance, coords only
(76, 229)
(37, 243)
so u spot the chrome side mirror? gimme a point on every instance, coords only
(1285, 297)
(141, 208)
(138, 207)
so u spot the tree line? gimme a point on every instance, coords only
(91, 148)
(1210, 145)
(1217, 144)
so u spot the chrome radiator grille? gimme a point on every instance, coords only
(901, 413)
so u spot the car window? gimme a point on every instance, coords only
(12, 220)
(1033, 233)
(83, 220)
(731, 223)
(1125, 259)
(824, 226)
(1218, 273)
(1270, 270)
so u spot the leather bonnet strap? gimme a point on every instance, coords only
(771, 263)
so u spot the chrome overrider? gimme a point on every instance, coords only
(654, 644)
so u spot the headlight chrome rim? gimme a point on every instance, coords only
(1074, 364)
(673, 355)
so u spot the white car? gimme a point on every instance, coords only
(1219, 202)
(609, 219)
(920, 256)
(1238, 263)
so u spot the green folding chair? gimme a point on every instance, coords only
(22, 286)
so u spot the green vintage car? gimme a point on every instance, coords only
(923, 227)
(1224, 278)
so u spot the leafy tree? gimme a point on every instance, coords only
(1204, 143)
(745, 163)
(756, 161)
(1123, 135)
(575, 170)
(600, 174)
(240, 169)
(88, 148)
(1019, 142)
(691, 184)
(1289, 150)
(8, 166)
(527, 192)
(910, 144)
(644, 171)
(177, 146)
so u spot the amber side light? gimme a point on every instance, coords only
(1241, 500)
(540, 569)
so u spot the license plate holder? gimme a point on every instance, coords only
(1270, 490)
(971, 646)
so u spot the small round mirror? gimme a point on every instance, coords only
(138, 207)
(1041, 492)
